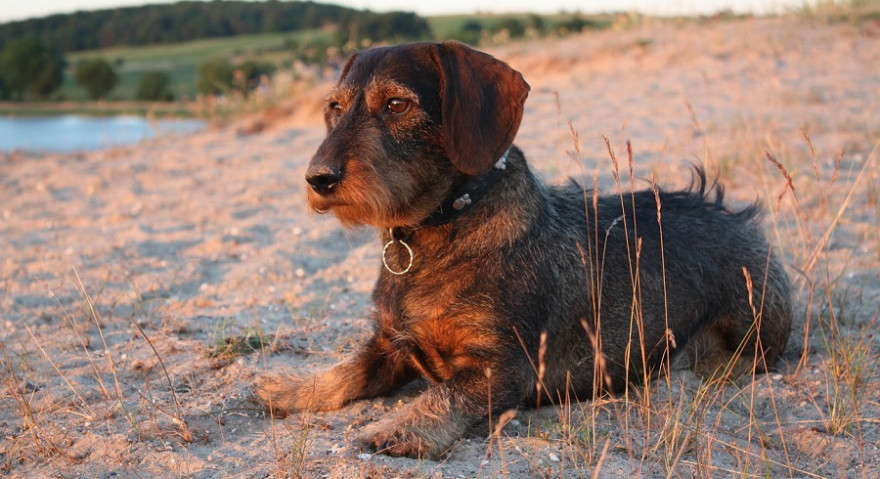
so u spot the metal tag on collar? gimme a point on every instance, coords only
(465, 200)
(462, 201)
(501, 164)
(385, 254)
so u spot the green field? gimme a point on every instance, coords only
(181, 60)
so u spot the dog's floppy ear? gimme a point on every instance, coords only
(482, 105)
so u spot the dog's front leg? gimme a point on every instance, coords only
(375, 370)
(429, 425)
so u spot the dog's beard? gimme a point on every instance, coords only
(353, 206)
(353, 210)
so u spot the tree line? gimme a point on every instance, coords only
(171, 23)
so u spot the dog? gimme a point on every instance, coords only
(500, 290)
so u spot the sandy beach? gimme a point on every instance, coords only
(143, 288)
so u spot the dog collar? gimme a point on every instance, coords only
(467, 194)
(455, 204)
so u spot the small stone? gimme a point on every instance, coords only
(29, 387)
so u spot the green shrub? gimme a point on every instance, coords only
(247, 75)
(471, 32)
(214, 77)
(154, 86)
(96, 75)
(514, 27)
(30, 67)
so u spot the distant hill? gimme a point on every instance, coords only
(185, 21)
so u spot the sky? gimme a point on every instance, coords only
(21, 9)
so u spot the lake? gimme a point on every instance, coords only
(69, 133)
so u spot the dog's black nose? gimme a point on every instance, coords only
(323, 179)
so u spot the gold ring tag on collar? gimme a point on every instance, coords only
(385, 254)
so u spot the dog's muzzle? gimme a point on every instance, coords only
(323, 179)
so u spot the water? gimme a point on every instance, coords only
(69, 133)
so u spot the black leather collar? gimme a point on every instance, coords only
(466, 195)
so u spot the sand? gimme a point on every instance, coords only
(124, 274)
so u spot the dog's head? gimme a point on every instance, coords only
(405, 124)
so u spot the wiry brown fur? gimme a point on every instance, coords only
(616, 291)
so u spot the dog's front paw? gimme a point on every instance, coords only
(387, 437)
(416, 437)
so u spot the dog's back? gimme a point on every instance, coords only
(691, 277)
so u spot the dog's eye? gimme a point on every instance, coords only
(397, 105)
(335, 109)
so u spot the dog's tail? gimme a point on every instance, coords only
(711, 195)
